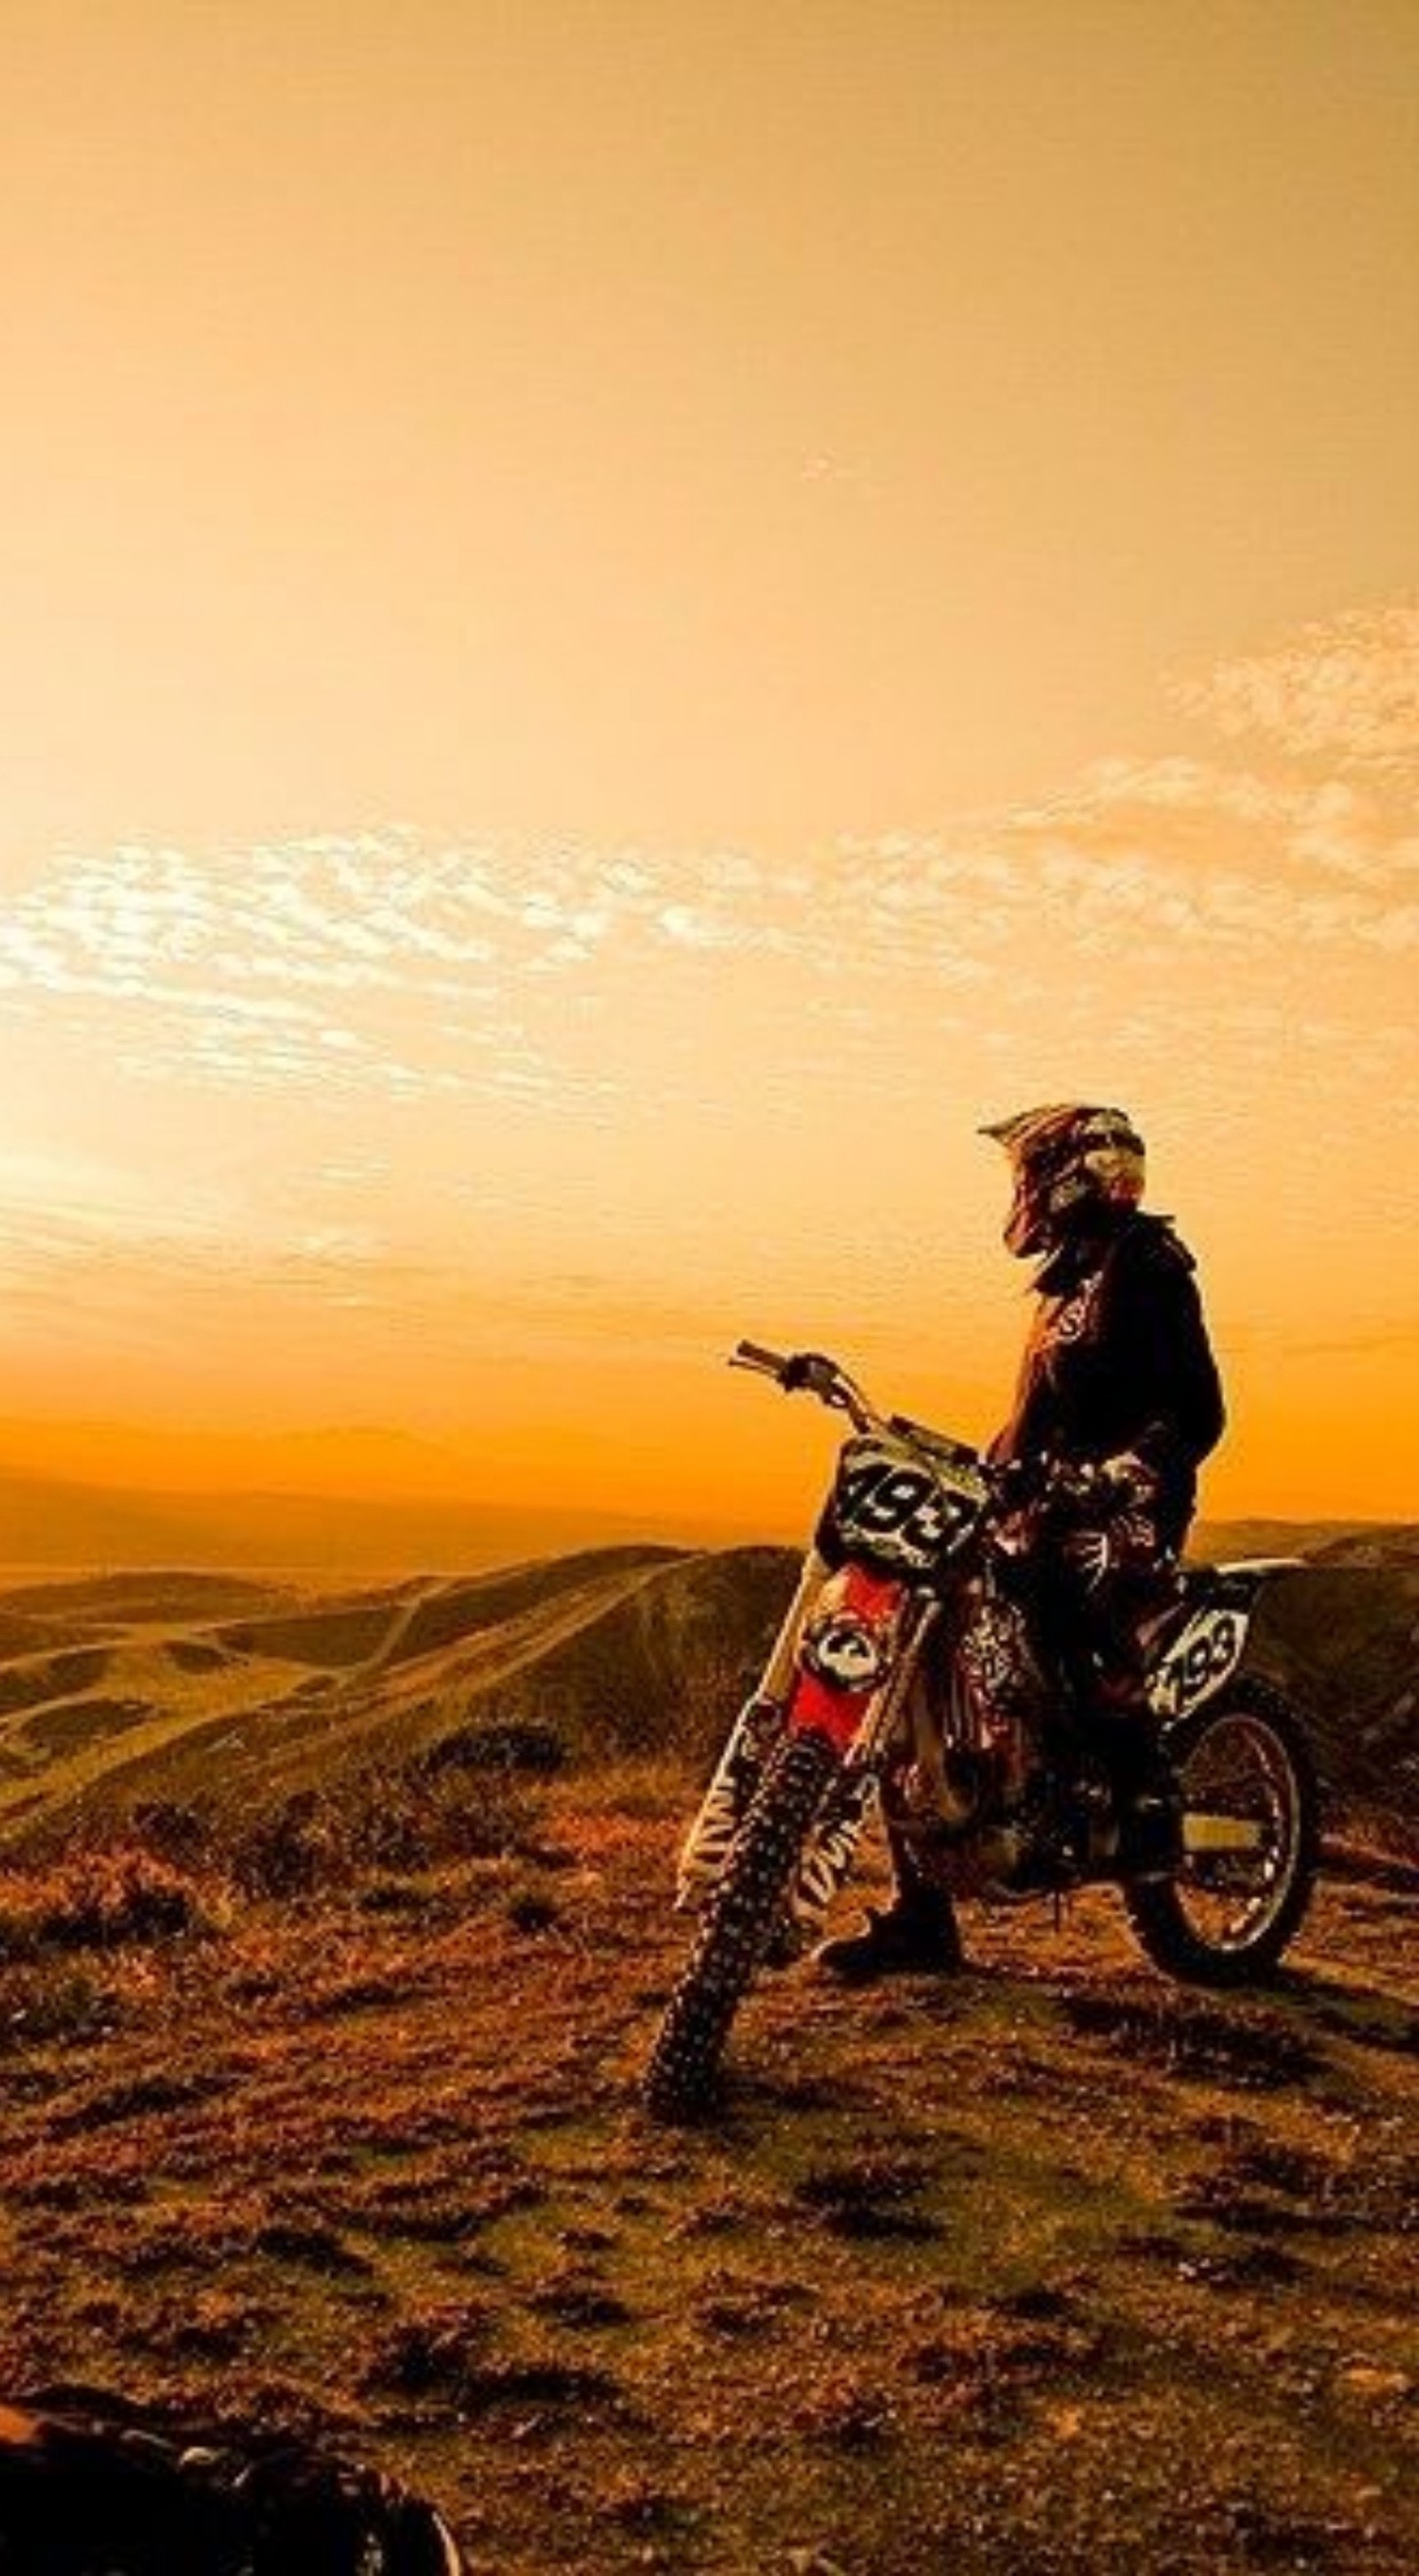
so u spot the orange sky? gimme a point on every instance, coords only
(621, 620)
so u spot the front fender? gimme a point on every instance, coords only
(847, 1653)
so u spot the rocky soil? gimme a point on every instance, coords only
(1052, 2267)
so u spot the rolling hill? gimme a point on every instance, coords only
(1095, 2271)
(187, 1685)
(236, 1690)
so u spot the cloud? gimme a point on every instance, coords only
(320, 963)
(85, 1199)
(595, 982)
(1345, 690)
(468, 1080)
(578, 982)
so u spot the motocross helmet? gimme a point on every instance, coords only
(1072, 1165)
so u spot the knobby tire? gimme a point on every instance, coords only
(738, 1923)
(1158, 1911)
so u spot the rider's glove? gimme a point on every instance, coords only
(1100, 1485)
(1071, 1483)
(1126, 1480)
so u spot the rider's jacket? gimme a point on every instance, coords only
(1118, 1359)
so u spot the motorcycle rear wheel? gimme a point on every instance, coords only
(738, 1923)
(1228, 1914)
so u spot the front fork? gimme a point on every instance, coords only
(755, 1732)
(837, 1625)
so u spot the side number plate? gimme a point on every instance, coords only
(1207, 1651)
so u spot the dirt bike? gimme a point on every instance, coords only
(872, 1695)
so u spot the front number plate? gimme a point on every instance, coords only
(890, 1507)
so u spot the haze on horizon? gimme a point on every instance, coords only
(622, 622)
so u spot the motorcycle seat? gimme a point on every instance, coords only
(1234, 1586)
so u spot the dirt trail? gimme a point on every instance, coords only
(1051, 2268)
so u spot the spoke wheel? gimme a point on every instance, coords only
(737, 1927)
(1250, 1835)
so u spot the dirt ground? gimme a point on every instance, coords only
(1049, 2267)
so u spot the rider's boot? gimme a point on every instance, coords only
(1147, 1803)
(918, 1935)
(1150, 1838)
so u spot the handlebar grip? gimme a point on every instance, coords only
(752, 1355)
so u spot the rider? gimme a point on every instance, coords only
(1119, 1391)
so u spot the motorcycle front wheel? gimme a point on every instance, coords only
(740, 1917)
(1251, 1842)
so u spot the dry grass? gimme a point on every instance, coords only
(106, 1897)
(319, 2110)
(400, 1818)
(1052, 2268)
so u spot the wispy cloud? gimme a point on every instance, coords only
(1346, 690)
(385, 963)
(514, 1051)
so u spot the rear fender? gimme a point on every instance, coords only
(1204, 1655)
(1205, 1652)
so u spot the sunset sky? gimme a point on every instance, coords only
(622, 618)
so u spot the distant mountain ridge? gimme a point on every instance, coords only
(1391, 1544)
(52, 1522)
(72, 1523)
(1214, 1540)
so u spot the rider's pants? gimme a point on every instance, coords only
(1082, 1601)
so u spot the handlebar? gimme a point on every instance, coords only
(1067, 1484)
(752, 1355)
(812, 1373)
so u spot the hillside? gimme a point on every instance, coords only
(242, 1691)
(1343, 1638)
(322, 2111)
(1349, 1541)
(1049, 2268)
(180, 1686)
